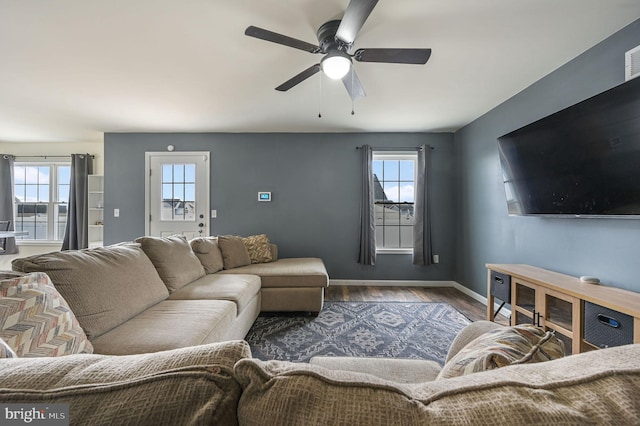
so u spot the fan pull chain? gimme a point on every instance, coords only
(352, 94)
(320, 101)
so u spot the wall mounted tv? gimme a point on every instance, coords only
(583, 161)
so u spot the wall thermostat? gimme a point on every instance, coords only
(264, 196)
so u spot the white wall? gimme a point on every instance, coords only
(48, 148)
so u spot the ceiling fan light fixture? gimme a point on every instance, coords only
(336, 65)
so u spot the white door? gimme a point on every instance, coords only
(177, 194)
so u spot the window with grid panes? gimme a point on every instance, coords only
(394, 181)
(41, 199)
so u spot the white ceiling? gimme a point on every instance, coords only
(71, 70)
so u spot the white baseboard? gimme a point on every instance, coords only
(416, 283)
(393, 283)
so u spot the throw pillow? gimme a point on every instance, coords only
(234, 252)
(504, 346)
(6, 351)
(174, 260)
(36, 321)
(207, 251)
(259, 248)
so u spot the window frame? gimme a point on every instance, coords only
(52, 205)
(396, 156)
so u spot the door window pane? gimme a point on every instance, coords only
(190, 173)
(167, 173)
(178, 192)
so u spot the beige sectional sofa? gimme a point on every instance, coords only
(220, 384)
(155, 294)
(155, 320)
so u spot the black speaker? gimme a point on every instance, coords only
(501, 286)
(604, 327)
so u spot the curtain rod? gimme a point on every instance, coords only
(47, 156)
(396, 148)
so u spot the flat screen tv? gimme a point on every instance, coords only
(583, 161)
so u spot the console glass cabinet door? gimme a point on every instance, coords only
(548, 309)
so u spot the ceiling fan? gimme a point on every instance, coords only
(335, 40)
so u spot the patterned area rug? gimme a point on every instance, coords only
(396, 329)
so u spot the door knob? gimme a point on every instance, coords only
(201, 225)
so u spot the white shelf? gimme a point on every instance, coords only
(95, 193)
(94, 244)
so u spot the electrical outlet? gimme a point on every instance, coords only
(436, 258)
(214, 214)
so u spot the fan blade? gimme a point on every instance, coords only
(393, 56)
(298, 78)
(267, 35)
(357, 12)
(353, 85)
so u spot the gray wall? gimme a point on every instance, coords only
(606, 248)
(315, 183)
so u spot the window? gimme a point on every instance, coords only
(394, 176)
(41, 199)
(178, 192)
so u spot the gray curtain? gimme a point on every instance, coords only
(7, 198)
(76, 234)
(367, 212)
(422, 252)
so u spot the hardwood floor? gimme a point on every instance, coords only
(470, 307)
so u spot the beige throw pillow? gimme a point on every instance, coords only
(174, 260)
(234, 252)
(259, 248)
(207, 251)
(504, 346)
(35, 320)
